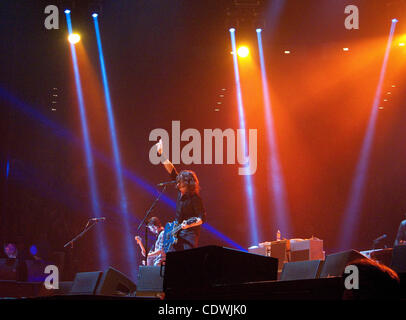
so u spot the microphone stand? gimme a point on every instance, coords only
(87, 228)
(145, 218)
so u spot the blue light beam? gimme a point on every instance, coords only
(129, 243)
(248, 178)
(103, 253)
(351, 215)
(276, 181)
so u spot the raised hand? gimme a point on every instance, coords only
(159, 147)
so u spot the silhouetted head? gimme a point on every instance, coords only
(376, 281)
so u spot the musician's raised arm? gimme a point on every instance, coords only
(167, 164)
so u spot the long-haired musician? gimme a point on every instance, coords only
(189, 204)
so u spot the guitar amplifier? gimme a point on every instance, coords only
(309, 249)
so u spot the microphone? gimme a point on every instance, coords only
(380, 238)
(97, 219)
(166, 183)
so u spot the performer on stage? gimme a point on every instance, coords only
(157, 254)
(401, 236)
(188, 204)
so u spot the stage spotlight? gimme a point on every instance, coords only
(287, 52)
(74, 38)
(67, 11)
(402, 44)
(232, 30)
(346, 49)
(395, 20)
(259, 30)
(243, 52)
(94, 15)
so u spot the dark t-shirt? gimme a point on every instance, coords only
(187, 206)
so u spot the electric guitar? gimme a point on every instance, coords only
(150, 259)
(171, 233)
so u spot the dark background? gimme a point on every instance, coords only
(169, 60)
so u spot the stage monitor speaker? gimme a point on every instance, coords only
(301, 270)
(335, 264)
(86, 283)
(209, 266)
(115, 283)
(399, 259)
(150, 280)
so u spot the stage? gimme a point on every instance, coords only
(169, 150)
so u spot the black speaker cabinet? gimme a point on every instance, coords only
(300, 270)
(334, 264)
(115, 283)
(110, 283)
(209, 266)
(86, 282)
(150, 280)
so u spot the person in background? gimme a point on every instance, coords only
(401, 235)
(157, 254)
(10, 249)
(376, 281)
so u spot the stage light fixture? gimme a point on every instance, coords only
(243, 52)
(259, 30)
(232, 30)
(94, 15)
(395, 20)
(67, 11)
(74, 38)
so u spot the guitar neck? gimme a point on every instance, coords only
(176, 229)
(179, 227)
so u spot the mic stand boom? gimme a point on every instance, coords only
(87, 228)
